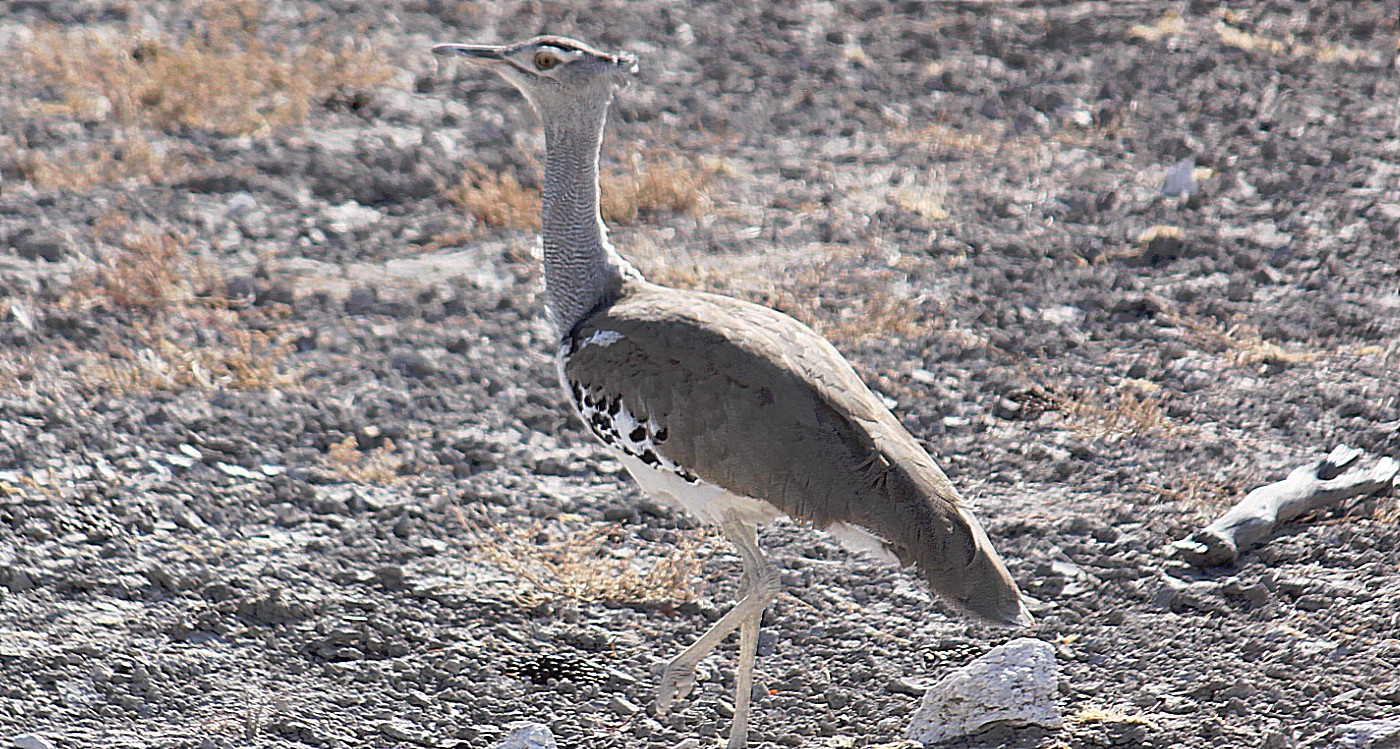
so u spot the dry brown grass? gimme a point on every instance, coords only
(1127, 411)
(497, 199)
(1244, 345)
(941, 138)
(1097, 714)
(1231, 29)
(170, 326)
(1204, 495)
(376, 466)
(926, 201)
(219, 75)
(230, 358)
(1234, 36)
(150, 268)
(1168, 24)
(656, 183)
(594, 563)
(87, 166)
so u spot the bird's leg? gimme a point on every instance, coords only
(743, 681)
(759, 590)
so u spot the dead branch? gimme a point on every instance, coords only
(1310, 487)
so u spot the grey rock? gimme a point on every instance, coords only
(527, 735)
(1015, 683)
(623, 706)
(348, 218)
(40, 244)
(31, 741)
(1180, 180)
(1368, 734)
(362, 300)
(413, 364)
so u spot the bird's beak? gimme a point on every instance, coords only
(482, 54)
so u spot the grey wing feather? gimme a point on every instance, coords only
(755, 402)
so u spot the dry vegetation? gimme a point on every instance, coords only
(497, 199)
(1232, 29)
(123, 158)
(231, 357)
(378, 465)
(219, 75)
(655, 183)
(1095, 714)
(1206, 496)
(592, 563)
(168, 324)
(1132, 409)
(1243, 344)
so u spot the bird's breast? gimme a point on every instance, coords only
(637, 441)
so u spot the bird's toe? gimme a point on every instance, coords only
(676, 683)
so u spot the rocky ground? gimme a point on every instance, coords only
(282, 460)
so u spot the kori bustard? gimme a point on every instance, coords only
(735, 412)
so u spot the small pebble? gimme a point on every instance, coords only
(622, 706)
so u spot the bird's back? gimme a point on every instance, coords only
(744, 398)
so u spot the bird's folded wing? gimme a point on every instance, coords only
(756, 402)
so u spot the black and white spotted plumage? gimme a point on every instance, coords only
(608, 418)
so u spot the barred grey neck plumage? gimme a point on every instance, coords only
(581, 268)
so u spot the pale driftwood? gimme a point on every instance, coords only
(1310, 487)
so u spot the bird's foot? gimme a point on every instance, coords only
(676, 683)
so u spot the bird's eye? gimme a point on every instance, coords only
(545, 61)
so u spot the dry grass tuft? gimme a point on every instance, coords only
(1244, 344)
(497, 199)
(1120, 412)
(945, 139)
(1205, 496)
(1169, 24)
(151, 268)
(589, 564)
(87, 166)
(1095, 714)
(377, 466)
(220, 77)
(926, 201)
(1229, 29)
(231, 358)
(1234, 36)
(656, 183)
(170, 326)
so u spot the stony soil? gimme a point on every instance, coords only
(962, 195)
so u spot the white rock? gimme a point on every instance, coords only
(526, 735)
(1180, 179)
(350, 217)
(30, 741)
(1367, 734)
(1015, 683)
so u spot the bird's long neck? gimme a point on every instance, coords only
(581, 269)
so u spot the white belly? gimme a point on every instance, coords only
(706, 502)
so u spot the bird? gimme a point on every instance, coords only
(729, 410)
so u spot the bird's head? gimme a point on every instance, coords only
(553, 72)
